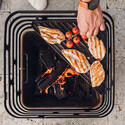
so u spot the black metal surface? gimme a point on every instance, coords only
(67, 25)
(32, 42)
(19, 22)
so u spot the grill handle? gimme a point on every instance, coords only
(25, 68)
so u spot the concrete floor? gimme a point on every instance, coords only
(117, 10)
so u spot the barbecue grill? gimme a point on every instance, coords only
(21, 49)
(64, 26)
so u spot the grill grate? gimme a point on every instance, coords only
(17, 24)
(67, 25)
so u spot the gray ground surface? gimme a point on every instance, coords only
(114, 7)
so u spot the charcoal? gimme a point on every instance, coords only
(53, 76)
(45, 61)
(80, 92)
(37, 91)
(47, 58)
(85, 87)
(75, 84)
(59, 93)
(40, 67)
(69, 85)
(50, 91)
(79, 87)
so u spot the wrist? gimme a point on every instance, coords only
(92, 4)
(86, 1)
(83, 3)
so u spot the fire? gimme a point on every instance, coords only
(48, 71)
(61, 88)
(69, 72)
(46, 91)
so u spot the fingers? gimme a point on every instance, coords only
(93, 31)
(102, 27)
(83, 31)
(90, 28)
(90, 32)
(96, 31)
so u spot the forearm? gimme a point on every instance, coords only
(90, 21)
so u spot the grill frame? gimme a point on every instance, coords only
(12, 65)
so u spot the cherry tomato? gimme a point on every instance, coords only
(76, 39)
(75, 30)
(68, 34)
(69, 44)
(84, 37)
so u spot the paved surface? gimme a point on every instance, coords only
(114, 7)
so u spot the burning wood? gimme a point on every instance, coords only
(48, 71)
(47, 58)
(59, 91)
(69, 72)
(39, 78)
(52, 77)
(57, 79)
(46, 90)
(46, 62)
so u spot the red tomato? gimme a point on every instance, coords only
(84, 37)
(68, 34)
(75, 30)
(76, 39)
(69, 44)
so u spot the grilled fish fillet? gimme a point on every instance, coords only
(96, 47)
(97, 74)
(77, 60)
(52, 36)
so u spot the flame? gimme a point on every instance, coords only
(46, 90)
(70, 71)
(61, 88)
(61, 78)
(48, 71)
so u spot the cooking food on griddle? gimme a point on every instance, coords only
(96, 47)
(50, 35)
(77, 60)
(97, 74)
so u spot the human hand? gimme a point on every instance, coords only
(90, 21)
